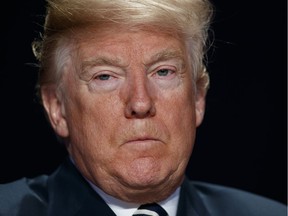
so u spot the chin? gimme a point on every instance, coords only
(146, 170)
(146, 174)
(146, 190)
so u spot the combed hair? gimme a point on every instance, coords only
(189, 19)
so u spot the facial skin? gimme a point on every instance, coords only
(129, 112)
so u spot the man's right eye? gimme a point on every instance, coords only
(103, 77)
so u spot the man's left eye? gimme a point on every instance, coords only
(164, 72)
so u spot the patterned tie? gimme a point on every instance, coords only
(151, 209)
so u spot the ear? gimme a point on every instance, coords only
(200, 105)
(54, 108)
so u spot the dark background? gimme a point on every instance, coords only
(242, 141)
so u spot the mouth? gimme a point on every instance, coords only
(142, 143)
(141, 140)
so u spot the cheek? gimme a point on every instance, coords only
(95, 121)
(179, 117)
(92, 139)
(178, 109)
(90, 123)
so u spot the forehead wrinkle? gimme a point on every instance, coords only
(100, 61)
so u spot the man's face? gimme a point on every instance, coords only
(130, 111)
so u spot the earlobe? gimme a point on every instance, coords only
(54, 109)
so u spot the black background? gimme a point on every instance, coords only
(242, 141)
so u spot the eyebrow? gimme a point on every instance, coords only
(99, 61)
(166, 55)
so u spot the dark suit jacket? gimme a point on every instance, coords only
(66, 193)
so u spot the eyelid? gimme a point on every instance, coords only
(104, 84)
(172, 64)
(94, 71)
(171, 69)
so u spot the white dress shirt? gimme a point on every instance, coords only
(122, 208)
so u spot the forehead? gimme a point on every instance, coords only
(118, 42)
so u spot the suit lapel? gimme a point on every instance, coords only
(190, 203)
(71, 195)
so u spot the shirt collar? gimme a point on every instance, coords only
(122, 208)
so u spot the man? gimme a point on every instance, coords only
(123, 84)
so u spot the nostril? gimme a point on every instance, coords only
(140, 110)
(140, 114)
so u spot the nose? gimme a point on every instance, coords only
(140, 99)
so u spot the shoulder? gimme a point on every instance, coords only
(222, 200)
(19, 195)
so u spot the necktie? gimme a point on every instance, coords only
(151, 209)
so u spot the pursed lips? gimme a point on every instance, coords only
(142, 139)
(142, 142)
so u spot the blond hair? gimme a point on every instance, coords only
(188, 18)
